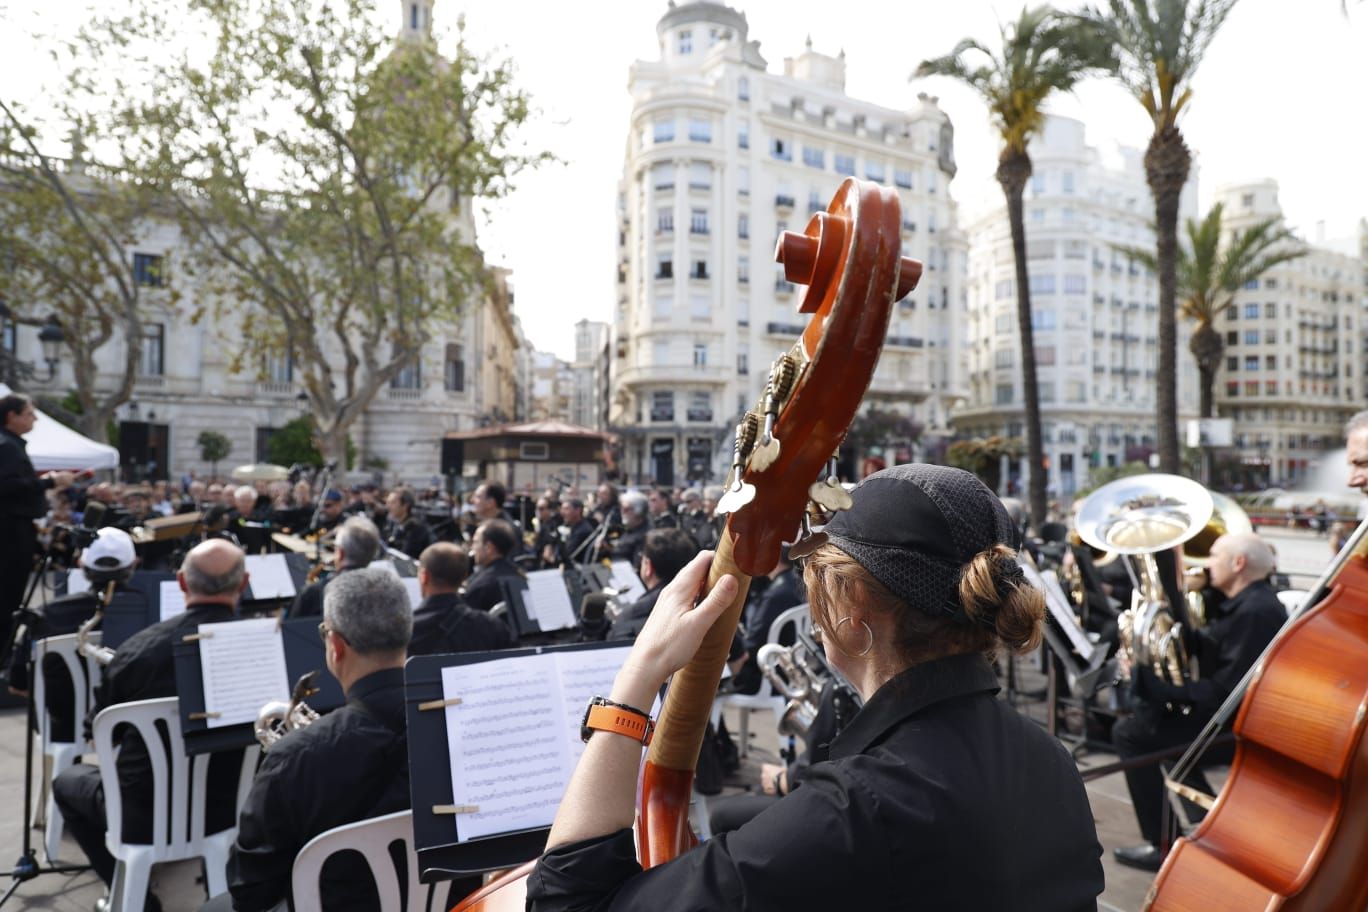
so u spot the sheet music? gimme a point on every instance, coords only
(548, 601)
(415, 592)
(243, 664)
(507, 744)
(171, 598)
(515, 738)
(77, 581)
(1059, 609)
(628, 585)
(270, 576)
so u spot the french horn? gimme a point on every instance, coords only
(278, 718)
(1138, 517)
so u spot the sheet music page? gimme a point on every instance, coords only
(270, 576)
(506, 742)
(585, 674)
(626, 582)
(243, 664)
(548, 601)
(1059, 608)
(172, 599)
(415, 592)
(77, 581)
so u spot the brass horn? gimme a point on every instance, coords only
(1138, 517)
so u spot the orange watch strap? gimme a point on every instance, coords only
(618, 721)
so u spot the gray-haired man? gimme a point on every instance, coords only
(357, 544)
(350, 765)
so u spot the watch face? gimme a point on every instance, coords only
(585, 730)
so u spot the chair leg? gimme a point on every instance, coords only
(52, 831)
(128, 892)
(216, 865)
(744, 713)
(43, 802)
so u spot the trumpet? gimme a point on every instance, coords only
(278, 718)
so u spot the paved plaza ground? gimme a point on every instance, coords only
(180, 886)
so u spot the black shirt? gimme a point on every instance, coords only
(628, 546)
(443, 623)
(143, 669)
(350, 765)
(484, 589)
(21, 490)
(633, 618)
(410, 536)
(309, 602)
(1227, 647)
(937, 796)
(575, 550)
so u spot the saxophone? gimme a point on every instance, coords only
(278, 718)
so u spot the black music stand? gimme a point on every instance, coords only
(441, 856)
(303, 654)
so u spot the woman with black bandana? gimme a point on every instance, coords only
(936, 796)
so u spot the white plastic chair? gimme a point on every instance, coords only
(174, 777)
(372, 838)
(765, 699)
(59, 754)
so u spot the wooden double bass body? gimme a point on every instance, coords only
(849, 257)
(1289, 831)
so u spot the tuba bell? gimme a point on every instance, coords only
(1138, 517)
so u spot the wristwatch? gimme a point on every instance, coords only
(605, 715)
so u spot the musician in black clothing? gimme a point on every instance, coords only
(494, 541)
(546, 542)
(23, 498)
(404, 531)
(605, 510)
(635, 525)
(330, 513)
(443, 622)
(658, 506)
(576, 548)
(357, 544)
(785, 591)
(694, 520)
(1168, 715)
(663, 554)
(212, 576)
(350, 765)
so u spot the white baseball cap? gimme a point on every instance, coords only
(112, 549)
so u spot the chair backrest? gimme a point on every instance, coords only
(175, 776)
(798, 617)
(82, 679)
(372, 838)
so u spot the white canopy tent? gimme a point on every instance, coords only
(53, 445)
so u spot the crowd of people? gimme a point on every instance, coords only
(913, 588)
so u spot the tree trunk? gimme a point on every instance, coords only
(1014, 169)
(332, 444)
(1206, 347)
(1167, 162)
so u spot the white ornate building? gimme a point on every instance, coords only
(1094, 311)
(187, 383)
(722, 156)
(1294, 358)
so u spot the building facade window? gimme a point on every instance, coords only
(742, 359)
(453, 372)
(700, 176)
(698, 221)
(743, 225)
(278, 368)
(662, 176)
(743, 269)
(814, 157)
(781, 149)
(664, 266)
(844, 164)
(699, 269)
(664, 131)
(1251, 311)
(1002, 394)
(409, 377)
(149, 270)
(874, 171)
(743, 89)
(152, 363)
(700, 130)
(743, 180)
(662, 405)
(700, 406)
(902, 178)
(664, 221)
(685, 41)
(700, 354)
(743, 137)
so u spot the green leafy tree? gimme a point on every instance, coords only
(214, 447)
(67, 226)
(1159, 46)
(321, 173)
(1210, 269)
(1042, 53)
(296, 442)
(983, 456)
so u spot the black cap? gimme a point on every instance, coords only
(914, 527)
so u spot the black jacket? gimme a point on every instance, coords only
(484, 589)
(143, 669)
(443, 623)
(410, 536)
(633, 618)
(937, 796)
(350, 765)
(21, 490)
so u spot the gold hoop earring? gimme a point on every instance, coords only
(863, 652)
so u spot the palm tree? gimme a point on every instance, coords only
(1159, 45)
(1209, 274)
(1042, 53)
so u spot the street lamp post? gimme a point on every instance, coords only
(50, 336)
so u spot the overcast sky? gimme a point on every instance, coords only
(1282, 94)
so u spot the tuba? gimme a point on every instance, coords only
(278, 718)
(1138, 517)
